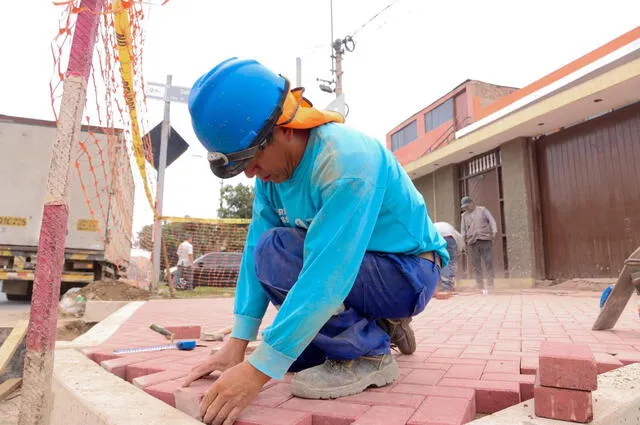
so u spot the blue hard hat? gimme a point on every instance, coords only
(234, 108)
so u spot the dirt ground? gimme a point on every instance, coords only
(71, 329)
(110, 290)
(596, 285)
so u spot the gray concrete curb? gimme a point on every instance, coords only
(616, 401)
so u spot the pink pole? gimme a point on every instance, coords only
(41, 334)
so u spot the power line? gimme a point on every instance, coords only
(374, 17)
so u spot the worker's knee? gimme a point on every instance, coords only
(278, 257)
(279, 240)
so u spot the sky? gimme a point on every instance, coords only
(406, 58)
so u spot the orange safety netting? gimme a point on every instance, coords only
(113, 159)
(216, 246)
(111, 146)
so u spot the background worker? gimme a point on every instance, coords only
(184, 274)
(455, 246)
(479, 229)
(340, 242)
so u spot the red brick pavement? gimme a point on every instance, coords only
(475, 355)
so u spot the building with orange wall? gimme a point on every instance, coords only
(556, 162)
(435, 126)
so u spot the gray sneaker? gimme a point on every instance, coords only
(400, 333)
(340, 378)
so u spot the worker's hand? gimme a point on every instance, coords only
(231, 393)
(231, 354)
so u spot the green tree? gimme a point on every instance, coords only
(237, 201)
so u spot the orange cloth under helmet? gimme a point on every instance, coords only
(299, 113)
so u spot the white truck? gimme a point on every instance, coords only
(101, 195)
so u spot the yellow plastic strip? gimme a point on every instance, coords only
(206, 220)
(123, 37)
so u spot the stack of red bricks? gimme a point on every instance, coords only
(566, 377)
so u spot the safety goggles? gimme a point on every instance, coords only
(231, 164)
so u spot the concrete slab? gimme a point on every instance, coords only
(616, 401)
(96, 311)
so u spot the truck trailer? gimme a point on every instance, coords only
(100, 202)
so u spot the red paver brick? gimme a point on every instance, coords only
(137, 370)
(384, 399)
(184, 331)
(259, 415)
(606, 362)
(447, 352)
(427, 365)
(100, 355)
(563, 404)
(478, 349)
(465, 371)
(529, 366)
(188, 399)
(628, 357)
(503, 366)
(414, 358)
(157, 378)
(119, 365)
(274, 396)
(491, 396)
(329, 412)
(423, 377)
(430, 390)
(569, 366)
(507, 346)
(526, 382)
(165, 391)
(452, 361)
(385, 415)
(444, 411)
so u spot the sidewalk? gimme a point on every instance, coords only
(476, 355)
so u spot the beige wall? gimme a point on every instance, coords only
(518, 208)
(440, 192)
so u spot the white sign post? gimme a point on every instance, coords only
(168, 94)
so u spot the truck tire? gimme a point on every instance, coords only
(12, 296)
(16, 297)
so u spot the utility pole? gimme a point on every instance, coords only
(338, 51)
(298, 72)
(162, 165)
(221, 186)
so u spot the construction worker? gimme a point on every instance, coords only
(184, 276)
(455, 246)
(340, 242)
(479, 229)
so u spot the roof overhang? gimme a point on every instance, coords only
(597, 88)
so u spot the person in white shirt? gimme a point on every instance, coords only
(185, 263)
(455, 245)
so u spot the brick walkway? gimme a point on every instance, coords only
(476, 355)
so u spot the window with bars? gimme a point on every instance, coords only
(481, 164)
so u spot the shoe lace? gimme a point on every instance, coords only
(338, 365)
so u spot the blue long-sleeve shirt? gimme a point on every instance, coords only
(352, 196)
